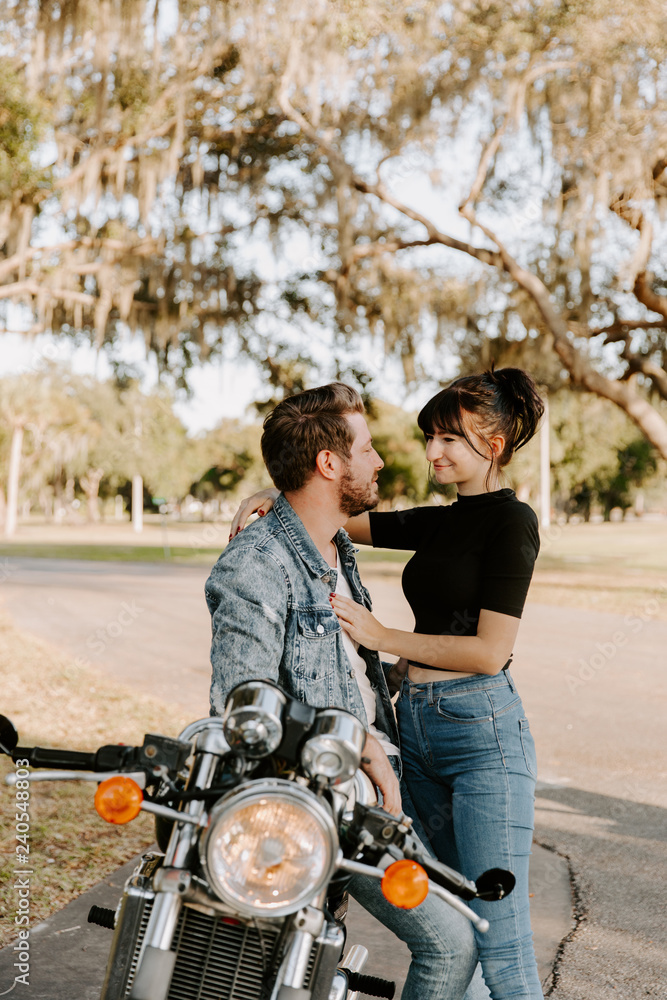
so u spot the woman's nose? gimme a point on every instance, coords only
(433, 450)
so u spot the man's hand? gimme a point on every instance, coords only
(396, 674)
(381, 773)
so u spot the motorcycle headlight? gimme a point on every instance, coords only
(270, 848)
(333, 751)
(253, 718)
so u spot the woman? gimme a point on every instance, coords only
(468, 755)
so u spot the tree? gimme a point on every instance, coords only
(543, 77)
(334, 127)
(139, 435)
(597, 458)
(66, 429)
(231, 456)
(400, 444)
(49, 437)
(102, 90)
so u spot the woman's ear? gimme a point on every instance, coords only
(497, 445)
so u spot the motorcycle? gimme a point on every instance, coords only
(262, 816)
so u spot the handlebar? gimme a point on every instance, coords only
(72, 760)
(156, 752)
(441, 874)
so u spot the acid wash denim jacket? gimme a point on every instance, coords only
(268, 595)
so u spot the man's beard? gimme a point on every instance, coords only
(355, 498)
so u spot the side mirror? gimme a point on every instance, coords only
(495, 884)
(9, 738)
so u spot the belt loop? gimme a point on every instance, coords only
(429, 689)
(510, 682)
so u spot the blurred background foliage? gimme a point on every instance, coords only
(323, 186)
(84, 440)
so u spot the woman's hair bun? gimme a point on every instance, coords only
(520, 392)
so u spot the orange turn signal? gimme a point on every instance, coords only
(405, 884)
(118, 800)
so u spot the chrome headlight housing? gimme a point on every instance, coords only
(213, 738)
(270, 847)
(253, 718)
(333, 751)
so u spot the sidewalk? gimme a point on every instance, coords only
(68, 955)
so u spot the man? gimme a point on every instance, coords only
(268, 595)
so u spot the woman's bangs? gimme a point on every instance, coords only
(442, 415)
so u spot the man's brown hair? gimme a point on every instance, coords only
(302, 426)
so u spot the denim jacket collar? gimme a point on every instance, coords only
(304, 544)
(268, 598)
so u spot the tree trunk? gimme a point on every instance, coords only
(650, 422)
(646, 417)
(46, 503)
(13, 481)
(90, 484)
(545, 469)
(137, 503)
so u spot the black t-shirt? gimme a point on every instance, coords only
(478, 552)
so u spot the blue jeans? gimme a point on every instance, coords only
(441, 940)
(469, 762)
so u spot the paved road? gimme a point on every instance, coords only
(144, 624)
(595, 689)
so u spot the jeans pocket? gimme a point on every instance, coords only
(528, 747)
(470, 709)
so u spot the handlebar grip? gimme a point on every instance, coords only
(372, 986)
(71, 760)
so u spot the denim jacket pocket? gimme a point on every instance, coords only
(315, 658)
(317, 623)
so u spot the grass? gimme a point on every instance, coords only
(52, 702)
(112, 553)
(629, 545)
(619, 568)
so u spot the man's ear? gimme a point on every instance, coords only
(327, 463)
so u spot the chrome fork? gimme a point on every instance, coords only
(157, 960)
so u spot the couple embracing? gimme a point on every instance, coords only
(287, 604)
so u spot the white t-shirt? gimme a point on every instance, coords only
(358, 664)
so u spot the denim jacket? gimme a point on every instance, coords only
(268, 595)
